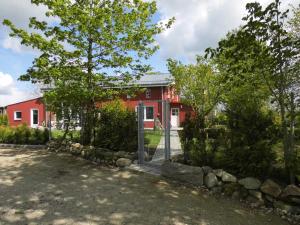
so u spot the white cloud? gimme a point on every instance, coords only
(199, 24)
(19, 12)
(10, 93)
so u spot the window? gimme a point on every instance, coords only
(148, 93)
(148, 113)
(35, 117)
(17, 115)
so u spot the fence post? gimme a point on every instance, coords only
(141, 133)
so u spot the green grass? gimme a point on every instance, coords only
(57, 134)
(152, 138)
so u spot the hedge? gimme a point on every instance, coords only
(23, 135)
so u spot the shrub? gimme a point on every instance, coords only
(116, 128)
(253, 132)
(23, 135)
(3, 120)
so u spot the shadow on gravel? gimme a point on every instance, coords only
(38, 187)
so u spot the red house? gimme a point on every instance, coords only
(31, 112)
(158, 87)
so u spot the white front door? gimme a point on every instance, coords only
(34, 117)
(175, 117)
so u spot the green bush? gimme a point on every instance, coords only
(116, 128)
(23, 135)
(252, 134)
(3, 120)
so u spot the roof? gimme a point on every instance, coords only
(24, 101)
(158, 79)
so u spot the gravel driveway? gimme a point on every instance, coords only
(38, 187)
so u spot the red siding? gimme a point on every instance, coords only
(25, 108)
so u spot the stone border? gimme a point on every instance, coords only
(2, 146)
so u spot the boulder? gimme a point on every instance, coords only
(250, 183)
(123, 162)
(256, 194)
(206, 169)
(183, 173)
(228, 178)
(269, 187)
(218, 172)
(286, 207)
(210, 180)
(291, 194)
(291, 190)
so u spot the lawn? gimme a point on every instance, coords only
(152, 138)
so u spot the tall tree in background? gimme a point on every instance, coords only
(90, 40)
(198, 84)
(281, 66)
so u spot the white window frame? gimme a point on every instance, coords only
(146, 106)
(148, 93)
(15, 115)
(31, 118)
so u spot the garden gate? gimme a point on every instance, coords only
(153, 114)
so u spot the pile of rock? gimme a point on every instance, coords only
(97, 155)
(249, 189)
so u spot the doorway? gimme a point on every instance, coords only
(175, 117)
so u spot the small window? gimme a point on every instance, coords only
(17, 115)
(148, 93)
(128, 96)
(149, 113)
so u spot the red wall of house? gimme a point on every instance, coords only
(25, 107)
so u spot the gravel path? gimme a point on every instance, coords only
(38, 187)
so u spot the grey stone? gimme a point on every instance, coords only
(291, 190)
(206, 169)
(250, 183)
(210, 180)
(218, 172)
(286, 207)
(183, 173)
(256, 194)
(269, 187)
(229, 178)
(123, 162)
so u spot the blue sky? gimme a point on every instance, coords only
(199, 24)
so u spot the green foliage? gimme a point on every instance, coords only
(3, 120)
(22, 134)
(250, 152)
(116, 128)
(90, 41)
(198, 84)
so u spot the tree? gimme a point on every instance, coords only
(265, 48)
(198, 85)
(89, 41)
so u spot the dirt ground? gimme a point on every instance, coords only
(38, 187)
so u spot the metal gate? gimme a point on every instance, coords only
(165, 130)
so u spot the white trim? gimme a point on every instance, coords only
(15, 117)
(31, 118)
(145, 106)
